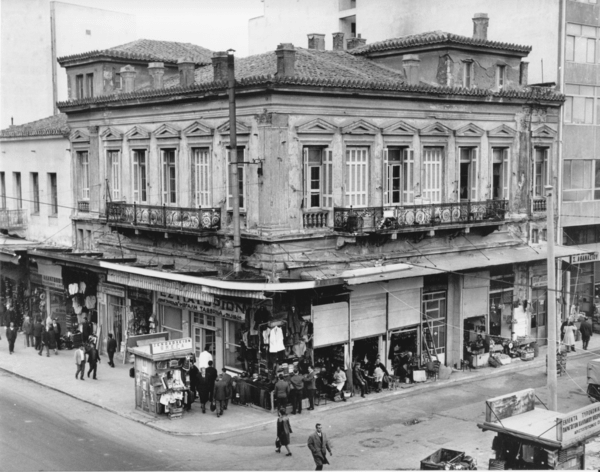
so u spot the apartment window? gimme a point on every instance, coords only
(53, 186)
(468, 173)
(500, 173)
(114, 174)
(79, 86)
(169, 177)
(18, 191)
(2, 190)
(241, 153)
(579, 103)
(467, 74)
(201, 176)
(581, 43)
(432, 174)
(398, 165)
(84, 174)
(139, 176)
(318, 177)
(35, 191)
(581, 180)
(540, 171)
(356, 178)
(89, 85)
(500, 76)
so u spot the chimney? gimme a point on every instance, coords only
(219, 62)
(156, 71)
(286, 58)
(355, 42)
(411, 63)
(186, 72)
(316, 41)
(338, 41)
(523, 72)
(480, 25)
(128, 74)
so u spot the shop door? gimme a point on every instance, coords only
(539, 315)
(116, 311)
(205, 335)
(434, 319)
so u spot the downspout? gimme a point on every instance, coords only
(561, 116)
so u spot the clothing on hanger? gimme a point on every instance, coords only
(276, 340)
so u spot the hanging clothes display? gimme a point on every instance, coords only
(276, 340)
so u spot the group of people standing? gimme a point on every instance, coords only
(37, 335)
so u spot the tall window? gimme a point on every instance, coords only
(500, 173)
(540, 171)
(579, 103)
(318, 177)
(398, 165)
(84, 174)
(114, 174)
(89, 85)
(468, 173)
(169, 177)
(356, 178)
(2, 190)
(53, 186)
(467, 74)
(581, 43)
(201, 176)
(18, 191)
(139, 175)
(35, 191)
(432, 174)
(240, 179)
(79, 86)
(500, 76)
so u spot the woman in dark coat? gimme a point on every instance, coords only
(52, 339)
(284, 430)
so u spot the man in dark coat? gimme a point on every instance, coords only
(11, 336)
(281, 393)
(296, 389)
(37, 333)
(203, 390)
(28, 331)
(211, 377)
(45, 342)
(86, 329)
(57, 331)
(586, 332)
(229, 380)
(359, 379)
(310, 386)
(93, 359)
(319, 445)
(220, 394)
(193, 374)
(111, 348)
(51, 337)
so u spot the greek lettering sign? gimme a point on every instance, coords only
(589, 257)
(171, 346)
(232, 310)
(111, 289)
(579, 425)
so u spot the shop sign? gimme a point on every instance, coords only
(110, 289)
(539, 281)
(135, 293)
(580, 258)
(173, 345)
(51, 282)
(224, 308)
(579, 425)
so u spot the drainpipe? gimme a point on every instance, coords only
(561, 116)
(233, 165)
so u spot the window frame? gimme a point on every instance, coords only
(501, 74)
(581, 45)
(79, 89)
(467, 73)
(53, 192)
(168, 183)
(472, 180)
(544, 175)
(201, 172)
(243, 197)
(324, 191)
(89, 84)
(2, 190)
(114, 173)
(18, 190)
(84, 173)
(504, 178)
(356, 175)
(35, 192)
(139, 182)
(589, 95)
(428, 192)
(228, 326)
(406, 166)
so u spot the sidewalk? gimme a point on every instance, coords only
(114, 389)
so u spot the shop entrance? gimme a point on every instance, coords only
(403, 341)
(539, 316)
(115, 312)
(205, 334)
(366, 350)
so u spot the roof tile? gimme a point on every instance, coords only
(52, 125)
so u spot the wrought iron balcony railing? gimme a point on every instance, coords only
(13, 219)
(539, 205)
(164, 217)
(315, 218)
(357, 220)
(83, 206)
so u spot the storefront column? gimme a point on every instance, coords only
(455, 337)
(349, 379)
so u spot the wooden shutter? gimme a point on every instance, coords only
(387, 177)
(473, 177)
(306, 177)
(432, 168)
(356, 177)
(327, 176)
(505, 174)
(408, 166)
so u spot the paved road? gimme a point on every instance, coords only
(45, 430)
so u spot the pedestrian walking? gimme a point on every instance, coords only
(45, 342)
(203, 388)
(221, 393)
(570, 336)
(319, 445)
(28, 331)
(586, 332)
(11, 337)
(229, 380)
(205, 358)
(93, 359)
(80, 361)
(282, 390)
(193, 375)
(211, 376)
(38, 328)
(57, 332)
(86, 329)
(52, 340)
(284, 429)
(296, 389)
(310, 383)
(111, 348)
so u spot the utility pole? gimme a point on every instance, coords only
(233, 165)
(551, 304)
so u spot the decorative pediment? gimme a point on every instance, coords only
(469, 130)
(79, 136)
(400, 128)
(112, 134)
(502, 131)
(137, 132)
(166, 131)
(360, 127)
(544, 131)
(317, 126)
(436, 129)
(241, 128)
(198, 129)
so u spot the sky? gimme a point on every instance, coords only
(214, 24)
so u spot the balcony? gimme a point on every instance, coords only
(163, 218)
(315, 219)
(539, 206)
(83, 206)
(13, 219)
(416, 217)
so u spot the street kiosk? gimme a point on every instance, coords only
(537, 438)
(159, 385)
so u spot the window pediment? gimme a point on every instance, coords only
(241, 128)
(399, 128)
(112, 134)
(502, 131)
(436, 129)
(198, 129)
(470, 130)
(317, 126)
(138, 132)
(166, 131)
(360, 127)
(79, 136)
(544, 131)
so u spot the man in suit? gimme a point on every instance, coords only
(37, 333)
(296, 388)
(220, 394)
(586, 332)
(111, 348)
(93, 359)
(211, 376)
(11, 336)
(80, 361)
(319, 445)
(311, 387)
(229, 381)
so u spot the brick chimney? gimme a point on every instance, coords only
(480, 25)
(186, 71)
(411, 64)
(316, 41)
(128, 74)
(338, 41)
(219, 62)
(354, 43)
(156, 71)
(523, 72)
(286, 58)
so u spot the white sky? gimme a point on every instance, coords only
(214, 24)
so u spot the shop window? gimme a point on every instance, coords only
(169, 177)
(172, 321)
(241, 153)
(432, 171)
(318, 177)
(398, 165)
(114, 174)
(201, 176)
(468, 173)
(540, 171)
(206, 320)
(356, 177)
(233, 354)
(500, 173)
(139, 176)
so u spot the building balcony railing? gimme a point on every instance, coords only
(13, 219)
(381, 219)
(315, 218)
(163, 217)
(539, 206)
(83, 206)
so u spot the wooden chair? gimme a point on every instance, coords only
(433, 369)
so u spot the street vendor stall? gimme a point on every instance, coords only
(160, 373)
(537, 438)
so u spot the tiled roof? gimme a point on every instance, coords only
(51, 126)
(435, 37)
(147, 50)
